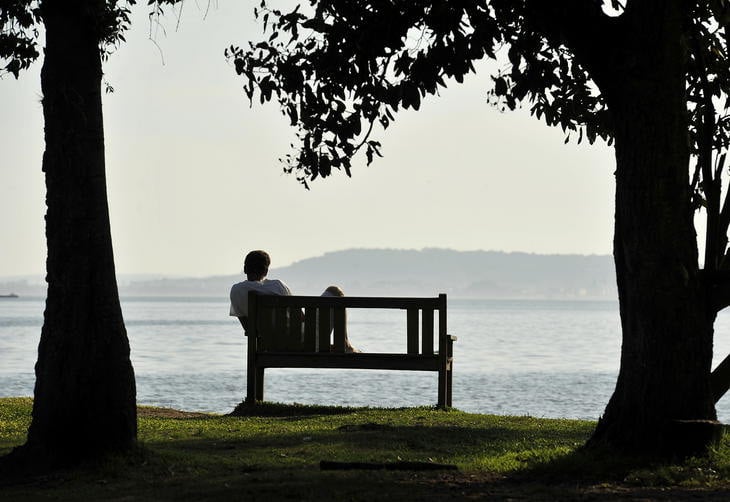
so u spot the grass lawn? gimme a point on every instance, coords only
(275, 454)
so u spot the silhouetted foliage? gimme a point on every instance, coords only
(18, 34)
(341, 69)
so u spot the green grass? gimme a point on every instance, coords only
(274, 454)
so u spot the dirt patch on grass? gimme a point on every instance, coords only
(268, 409)
(156, 412)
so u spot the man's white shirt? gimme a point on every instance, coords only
(239, 293)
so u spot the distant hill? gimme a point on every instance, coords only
(396, 272)
(476, 274)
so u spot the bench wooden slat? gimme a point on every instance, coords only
(412, 331)
(310, 330)
(427, 332)
(325, 328)
(280, 329)
(294, 333)
(266, 330)
(339, 330)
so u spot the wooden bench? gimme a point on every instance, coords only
(279, 336)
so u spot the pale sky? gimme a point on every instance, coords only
(194, 181)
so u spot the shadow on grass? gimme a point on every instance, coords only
(587, 465)
(600, 473)
(282, 465)
(269, 409)
(337, 434)
(599, 463)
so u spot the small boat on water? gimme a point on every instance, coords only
(11, 295)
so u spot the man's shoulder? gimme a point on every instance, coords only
(241, 285)
(267, 286)
(276, 286)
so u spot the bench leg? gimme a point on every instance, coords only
(251, 385)
(448, 370)
(449, 383)
(255, 386)
(442, 386)
(259, 384)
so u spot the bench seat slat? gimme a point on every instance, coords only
(310, 329)
(339, 330)
(325, 328)
(266, 329)
(427, 332)
(412, 331)
(280, 330)
(348, 361)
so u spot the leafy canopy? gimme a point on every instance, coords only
(344, 68)
(340, 69)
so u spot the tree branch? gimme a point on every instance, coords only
(720, 379)
(718, 289)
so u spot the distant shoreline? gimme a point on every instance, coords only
(411, 273)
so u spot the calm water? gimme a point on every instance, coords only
(539, 358)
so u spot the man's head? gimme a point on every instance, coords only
(256, 265)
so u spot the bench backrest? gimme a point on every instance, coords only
(305, 323)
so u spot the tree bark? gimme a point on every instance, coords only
(84, 402)
(667, 321)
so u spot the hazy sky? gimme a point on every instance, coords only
(194, 181)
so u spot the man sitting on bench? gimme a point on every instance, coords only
(256, 267)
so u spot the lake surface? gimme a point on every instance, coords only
(522, 357)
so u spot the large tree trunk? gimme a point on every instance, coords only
(85, 391)
(663, 387)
